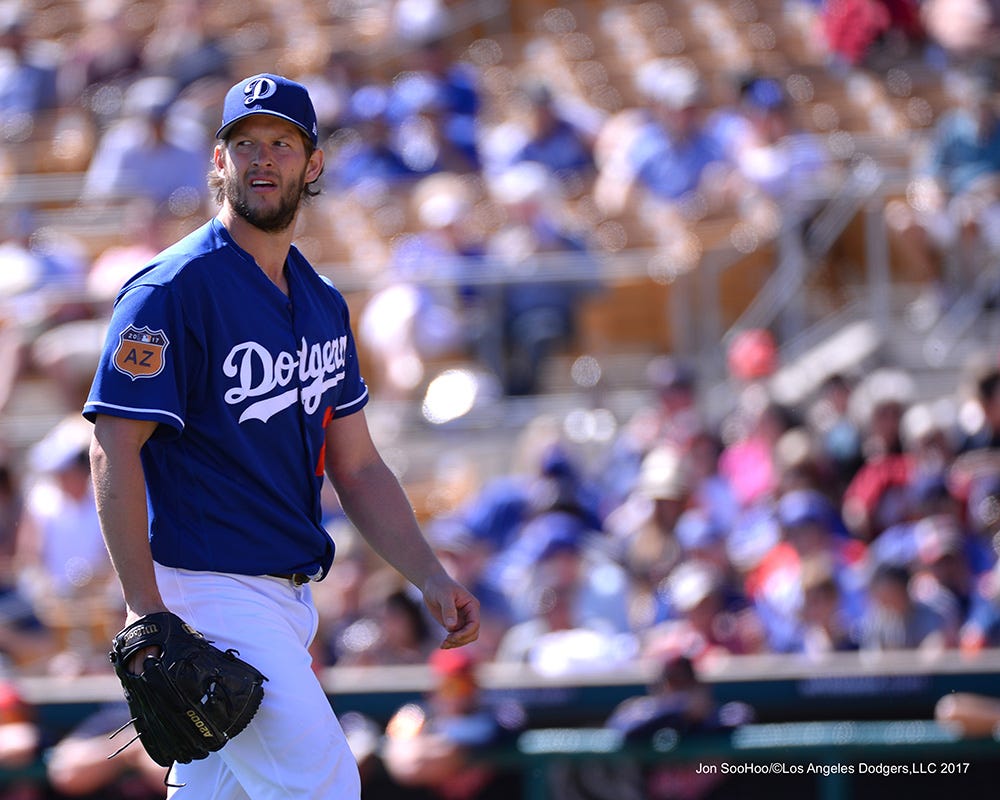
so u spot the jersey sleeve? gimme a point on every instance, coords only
(141, 373)
(354, 397)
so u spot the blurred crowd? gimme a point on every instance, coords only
(476, 182)
(864, 519)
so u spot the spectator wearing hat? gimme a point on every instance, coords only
(925, 491)
(704, 540)
(432, 744)
(780, 169)
(495, 513)
(675, 170)
(799, 462)
(575, 614)
(546, 477)
(643, 527)
(705, 551)
(675, 148)
(420, 131)
(811, 527)
(927, 433)
(559, 544)
(926, 496)
(699, 623)
(934, 505)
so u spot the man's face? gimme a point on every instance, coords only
(265, 168)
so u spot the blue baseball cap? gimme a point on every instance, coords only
(272, 95)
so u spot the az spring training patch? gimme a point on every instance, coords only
(140, 352)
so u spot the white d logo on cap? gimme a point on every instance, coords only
(259, 89)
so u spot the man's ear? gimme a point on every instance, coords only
(315, 166)
(219, 157)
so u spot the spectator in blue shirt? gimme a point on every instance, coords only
(150, 153)
(553, 139)
(364, 152)
(674, 148)
(27, 78)
(432, 80)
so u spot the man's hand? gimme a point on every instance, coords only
(190, 701)
(135, 664)
(455, 608)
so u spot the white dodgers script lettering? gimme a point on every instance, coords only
(318, 367)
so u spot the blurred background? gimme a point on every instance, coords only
(680, 322)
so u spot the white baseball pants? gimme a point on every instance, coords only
(294, 747)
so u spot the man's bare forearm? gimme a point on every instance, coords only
(378, 507)
(120, 493)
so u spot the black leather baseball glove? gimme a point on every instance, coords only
(193, 698)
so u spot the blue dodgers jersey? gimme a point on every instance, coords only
(243, 381)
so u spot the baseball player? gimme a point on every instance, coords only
(228, 387)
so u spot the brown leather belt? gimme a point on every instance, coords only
(297, 578)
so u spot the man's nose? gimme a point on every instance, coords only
(262, 155)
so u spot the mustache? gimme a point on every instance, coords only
(270, 220)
